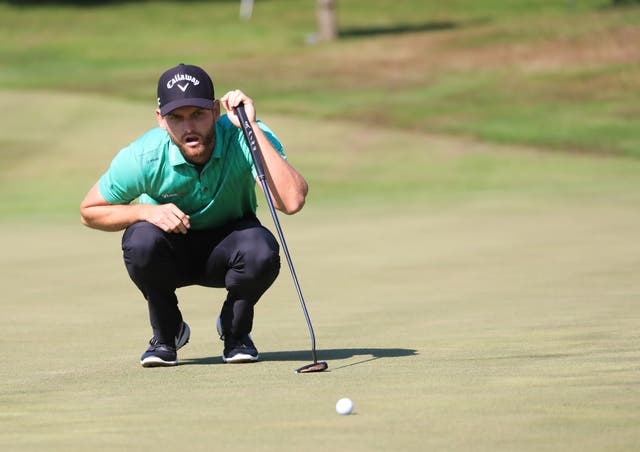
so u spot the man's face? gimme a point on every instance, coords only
(193, 130)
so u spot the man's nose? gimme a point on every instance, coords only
(189, 125)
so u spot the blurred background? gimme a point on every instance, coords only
(563, 76)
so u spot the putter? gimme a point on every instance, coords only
(315, 366)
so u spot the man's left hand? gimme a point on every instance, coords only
(234, 98)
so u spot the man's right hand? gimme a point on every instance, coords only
(167, 217)
(97, 213)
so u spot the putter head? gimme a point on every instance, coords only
(313, 367)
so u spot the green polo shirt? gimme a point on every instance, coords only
(153, 170)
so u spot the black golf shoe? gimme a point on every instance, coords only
(239, 350)
(163, 355)
(159, 355)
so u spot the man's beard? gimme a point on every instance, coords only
(200, 154)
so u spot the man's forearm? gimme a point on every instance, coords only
(288, 187)
(113, 217)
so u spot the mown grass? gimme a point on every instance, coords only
(482, 326)
(536, 72)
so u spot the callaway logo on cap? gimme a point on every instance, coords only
(183, 86)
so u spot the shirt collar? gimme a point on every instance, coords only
(217, 150)
(175, 156)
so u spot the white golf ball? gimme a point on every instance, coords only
(344, 406)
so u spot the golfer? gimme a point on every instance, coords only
(184, 193)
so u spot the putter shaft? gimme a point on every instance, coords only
(257, 159)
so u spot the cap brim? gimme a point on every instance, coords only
(197, 102)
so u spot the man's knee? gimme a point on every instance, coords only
(260, 252)
(142, 242)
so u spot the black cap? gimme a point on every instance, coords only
(183, 86)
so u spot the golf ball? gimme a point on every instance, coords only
(344, 406)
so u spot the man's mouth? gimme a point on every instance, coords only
(192, 140)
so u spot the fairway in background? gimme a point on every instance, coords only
(47, 170)
(536, 72)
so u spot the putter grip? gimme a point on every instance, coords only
(250, 136)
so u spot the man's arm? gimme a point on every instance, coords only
(287, 186)
(98, 213)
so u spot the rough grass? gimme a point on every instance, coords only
(536, 72)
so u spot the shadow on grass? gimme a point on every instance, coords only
(396, 29)
(323, 355)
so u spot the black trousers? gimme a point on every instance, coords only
(241, 257)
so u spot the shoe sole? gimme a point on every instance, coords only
(154, 361)
(240, 358)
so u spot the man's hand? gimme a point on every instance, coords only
(97, 213)
(234, 98)
(287, 187)
(167, 217)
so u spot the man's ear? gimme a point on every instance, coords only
(216, 110)
(161, 121)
